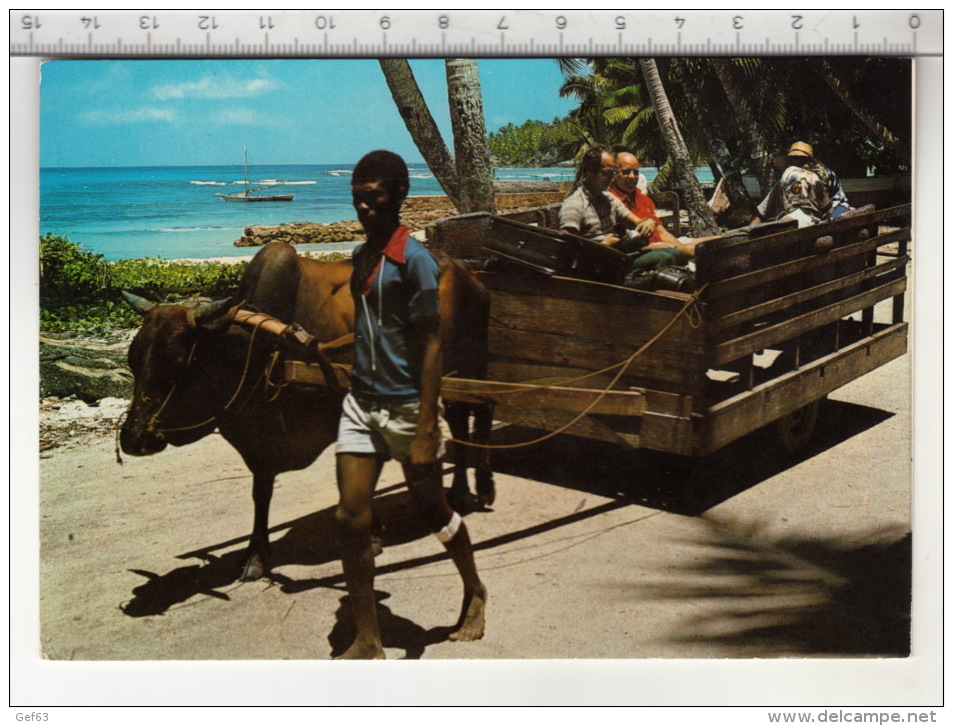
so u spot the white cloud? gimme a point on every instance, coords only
(136, 115)
(243, 117)
(214, 87)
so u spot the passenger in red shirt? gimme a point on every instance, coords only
(660, 248)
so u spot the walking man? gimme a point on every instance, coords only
(392, 410)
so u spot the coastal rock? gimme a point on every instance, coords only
(297, 233)
(418, 213)
(88, 370)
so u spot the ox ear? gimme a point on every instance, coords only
(139, 304)
(214, 316)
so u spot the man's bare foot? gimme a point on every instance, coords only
(474, 607)
(360, 650)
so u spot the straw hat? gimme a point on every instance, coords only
(798, 149)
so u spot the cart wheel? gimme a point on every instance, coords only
(794, 431)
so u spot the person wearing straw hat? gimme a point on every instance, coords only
(808, 190)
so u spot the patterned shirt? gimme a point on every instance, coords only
(813, 188)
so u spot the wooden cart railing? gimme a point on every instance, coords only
(785, 316)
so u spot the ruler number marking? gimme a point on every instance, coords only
(620, 23)
(88, 23)
(265, 23)
(148, 23)
(737, 22)
(796, 22)
(385, 22)
(502, 24)
(561, 22)
(30, 22)
(914, 21)
(326, 22)
(207, 22)
(444, 22)
(680, 22)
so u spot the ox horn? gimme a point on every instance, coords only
(139, 304)
(207, 314)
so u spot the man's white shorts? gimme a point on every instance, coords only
(381, 429)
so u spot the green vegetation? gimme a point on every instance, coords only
(855, 111)
(80, 292)
(533, 143)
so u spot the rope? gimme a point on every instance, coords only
(241, 383)
(622, 368)
(690, 310)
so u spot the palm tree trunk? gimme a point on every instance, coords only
(750, 124)
(423, 129)
(474, 172)
(734, 184)
(701, 218)
(867, 118)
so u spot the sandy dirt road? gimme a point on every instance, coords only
(590, 552)
(138, 560)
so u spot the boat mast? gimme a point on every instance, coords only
(245, 149)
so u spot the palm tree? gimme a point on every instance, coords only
(474, 172)
(423, 129)
(749, 122)
(467, 180)
(864, 115)
(734, 185)
(701, 218)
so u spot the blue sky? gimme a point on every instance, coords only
(201, 112)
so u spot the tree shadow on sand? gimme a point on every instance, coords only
(852, 614)
(759, 596)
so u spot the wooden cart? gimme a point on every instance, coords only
(782, 317)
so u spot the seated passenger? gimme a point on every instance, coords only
(590, 211)
(659, 248)
(807, 192)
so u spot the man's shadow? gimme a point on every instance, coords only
(396, 632)
(308, 540)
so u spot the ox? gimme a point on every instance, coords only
(196, 370)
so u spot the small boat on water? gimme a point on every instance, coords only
(247, 196)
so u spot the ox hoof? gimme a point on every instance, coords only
(486, 492)
(255, 569)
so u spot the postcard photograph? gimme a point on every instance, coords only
(497, 359)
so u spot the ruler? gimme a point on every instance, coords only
(471, 33)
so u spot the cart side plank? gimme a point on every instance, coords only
(811, 293)
(748, 344)
(558, 323)
(715, 256)
(735, 417)
(729, 288)
(675, 366)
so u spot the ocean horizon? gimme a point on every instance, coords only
(171, 212)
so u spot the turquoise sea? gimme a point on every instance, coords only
(172, 212)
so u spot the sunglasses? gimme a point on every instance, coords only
(628, 172)
(607, 172)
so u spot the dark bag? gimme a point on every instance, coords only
(676, 279)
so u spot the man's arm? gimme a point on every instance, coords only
(335, 347)
(424, 448)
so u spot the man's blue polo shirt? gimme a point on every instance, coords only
(401, 289)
